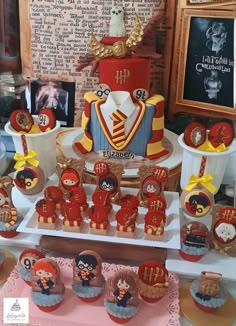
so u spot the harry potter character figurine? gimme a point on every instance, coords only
(86, 263)
(45, 271)
(122, 300)
(88, 281)
(47, 289)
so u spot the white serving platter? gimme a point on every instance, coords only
(171, 162)
(170, 239)
(211, 262)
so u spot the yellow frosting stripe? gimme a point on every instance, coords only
(154, 148)
(84, 121)
(86, 143)
(158, 123)
(91, 97)
(155, 99)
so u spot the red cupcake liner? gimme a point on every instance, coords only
(203, 308)
(188, 257)
(150, 300)
(90, 300)
(119, 320)
(9, 234)
(27, 282)
(49, 308)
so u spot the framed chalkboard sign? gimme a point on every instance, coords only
(205, 72)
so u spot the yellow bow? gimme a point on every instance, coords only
(29, 158)
(204, 181)
(208, 147)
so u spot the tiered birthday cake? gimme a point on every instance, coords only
(120, 116)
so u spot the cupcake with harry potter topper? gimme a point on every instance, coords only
(108, 178)
(88, 281)
(47, 289)
(194, 241)
(9, 218)
(223, 230)
(26, 261)
(152, 182)
(153, 281)
(121, 300)
(208, 293)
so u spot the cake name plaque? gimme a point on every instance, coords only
(127, 155)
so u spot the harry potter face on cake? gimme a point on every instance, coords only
(108, 183)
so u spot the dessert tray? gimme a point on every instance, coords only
(72, 311)
(170, 239)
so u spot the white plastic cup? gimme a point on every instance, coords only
(216, 163)
(43, 143)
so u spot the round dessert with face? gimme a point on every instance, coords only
(151, 187)
(108, 183)
(224, 232)
(70, 179)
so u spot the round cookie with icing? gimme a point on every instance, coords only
(221, 133)
(153, 281)
(46, 119)
(196, 202)
(29, 179)
(195, 134)
(21, 120)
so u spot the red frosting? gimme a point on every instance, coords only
(126, 74)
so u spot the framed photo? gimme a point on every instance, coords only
(58, 95)
(205, 75)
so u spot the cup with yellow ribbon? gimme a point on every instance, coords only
(203, 160)
(29, 178)
(44, 143)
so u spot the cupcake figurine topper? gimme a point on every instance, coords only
(223, 229)
(88, 281)
(121, 299)
(152, 182)
(153, 281)
(208, 293)
(194, 241)
(70, 174)
(27, 259)
(47, 288)
(109, 177)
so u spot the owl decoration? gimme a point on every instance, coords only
(117, 26)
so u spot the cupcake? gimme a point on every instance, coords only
(47, 289)
(2, 258)
(27, 259)
(121, 301)
(153, 281)
(208, 293)
(88, 281)
(194, 241)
